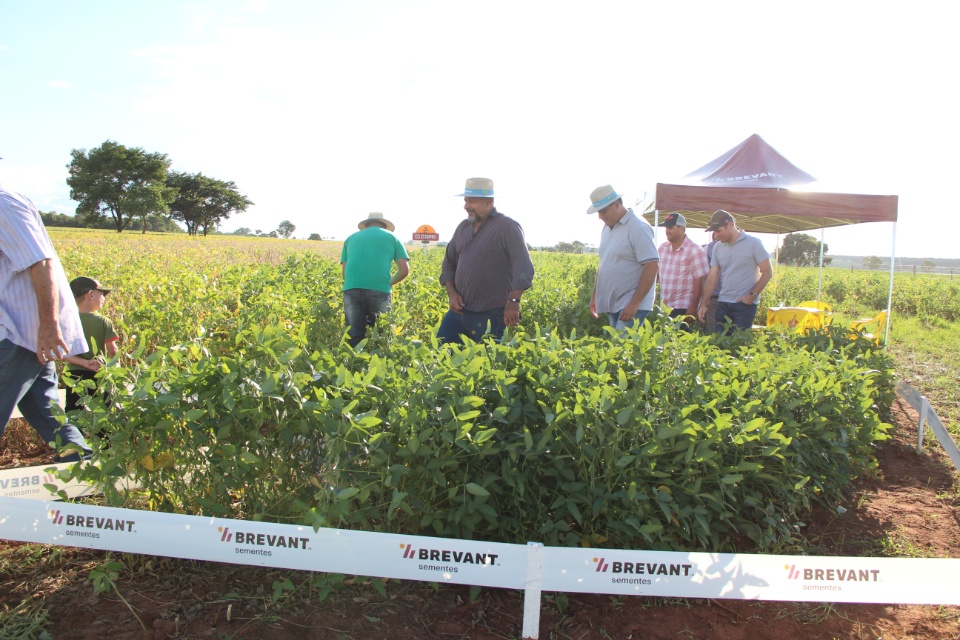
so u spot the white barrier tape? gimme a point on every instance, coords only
(28, 482)
(265, 544)
(752, 577)
(532, 567)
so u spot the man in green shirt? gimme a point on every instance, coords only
(99, 332)
(366, 261)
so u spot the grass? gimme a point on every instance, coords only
(926, 354)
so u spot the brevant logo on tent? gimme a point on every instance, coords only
(753, 177)
(89, 522)
(451, 558)
(651, 569)
(243, 539)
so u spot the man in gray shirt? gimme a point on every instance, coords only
(485, 270)
(741, 266)
(629, 262)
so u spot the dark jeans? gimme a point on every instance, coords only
(731, 315)
(472, 324)
(32, 387)
(361, 307)
(680, 313)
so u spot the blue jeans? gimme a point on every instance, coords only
(32, 387)
(472, 324)
(732, 315)
(361, 307)
(613, 319)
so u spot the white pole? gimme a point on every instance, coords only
(893, 253)
(820, 283)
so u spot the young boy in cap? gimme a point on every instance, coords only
(101, 337)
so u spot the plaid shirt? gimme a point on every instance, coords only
(679, 270)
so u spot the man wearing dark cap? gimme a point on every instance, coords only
(743, 267)
(39, 323)
(99, 332)
(683, 265)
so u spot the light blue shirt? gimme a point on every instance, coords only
(624, 250)
(24, 242)
(739, 266)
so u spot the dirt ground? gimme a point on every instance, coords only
(912, 510)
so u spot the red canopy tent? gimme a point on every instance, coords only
(753, 182)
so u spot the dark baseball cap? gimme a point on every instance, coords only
(83, 284)
(673, 220)
(720, 218)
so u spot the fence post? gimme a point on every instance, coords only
(531, 595)
(924, 407)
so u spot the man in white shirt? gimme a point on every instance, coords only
(39, 324)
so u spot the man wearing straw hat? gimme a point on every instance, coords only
(629, 262)
(485, 270)
(39, 324)
(366, 261)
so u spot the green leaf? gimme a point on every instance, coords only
(477, 490)
(249, 458)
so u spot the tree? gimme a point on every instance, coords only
(928, 266)
(117, 180)
(285, 229)
(871, 262)
(244, 231)
(203, 202)
(802, 250)
(314, 236)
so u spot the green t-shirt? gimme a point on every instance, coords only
(369, 256)
(96, 329)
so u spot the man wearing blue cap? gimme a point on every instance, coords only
(39, 323)
(485, 270)
(629, 262)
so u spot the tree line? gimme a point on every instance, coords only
(118, 186)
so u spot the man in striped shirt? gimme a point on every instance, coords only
(39, 323)
(683, 265)
(485, 270)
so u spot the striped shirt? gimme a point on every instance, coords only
(24, 242)
(679, 271)
(488, 264)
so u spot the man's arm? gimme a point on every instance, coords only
(647, 277)
(403, 270)
(710, 286)
(766, 272)
(50, 344)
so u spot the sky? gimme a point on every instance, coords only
(323, 111)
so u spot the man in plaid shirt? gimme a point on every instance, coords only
(683, 266)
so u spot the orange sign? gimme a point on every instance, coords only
(426, 233)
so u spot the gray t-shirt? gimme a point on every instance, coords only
(739, 266)
(624, 250)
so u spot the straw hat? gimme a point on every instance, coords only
(602, 197)
(478, 188)
(375, 217)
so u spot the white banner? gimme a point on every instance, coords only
(266, 544)
(27, 482)
(752, 577)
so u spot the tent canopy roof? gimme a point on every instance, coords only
(752, 182)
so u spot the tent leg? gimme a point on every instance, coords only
(820, 282)
(893, 253)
